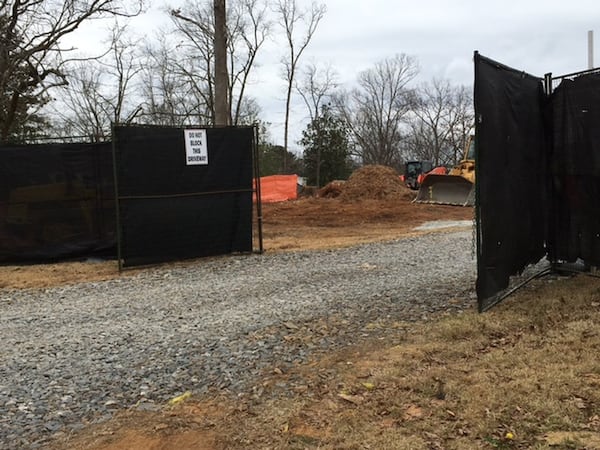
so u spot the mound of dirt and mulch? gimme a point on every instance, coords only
(372, 182)
(333, 189)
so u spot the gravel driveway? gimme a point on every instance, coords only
(73, 355)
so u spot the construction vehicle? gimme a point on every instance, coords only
(455, 188)
(414, 172)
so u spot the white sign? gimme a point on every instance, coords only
(196, 150)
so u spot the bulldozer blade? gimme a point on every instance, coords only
(446, 190)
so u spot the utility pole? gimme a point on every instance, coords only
(590, 49)
(222, 116)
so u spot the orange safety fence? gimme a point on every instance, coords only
(278, 188)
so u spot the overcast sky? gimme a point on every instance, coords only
(530, 35)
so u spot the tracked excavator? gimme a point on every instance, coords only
(414, 172)
(455, 188)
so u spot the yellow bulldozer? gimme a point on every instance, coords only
(457, 187)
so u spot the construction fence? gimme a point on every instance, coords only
(538, 172)
(154, 194)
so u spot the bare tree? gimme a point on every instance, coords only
(315, 88)
(168, 98)
(83, 109)
(433, 115)
(290, 17)
(249, 112)
(195, 53)
(378, 108)
(31, 59)
(464, 122)
(441, 123)
(247, 28)
(99, 92)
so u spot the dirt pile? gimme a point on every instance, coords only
(375, 183)
(332, 189)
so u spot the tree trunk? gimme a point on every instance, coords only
(286, 124)
(221, 77)
(10, 118)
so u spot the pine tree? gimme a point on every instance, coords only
(326, 149)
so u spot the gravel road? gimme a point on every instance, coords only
(73, 355)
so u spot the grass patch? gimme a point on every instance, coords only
(520, 376)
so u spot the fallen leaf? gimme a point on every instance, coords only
(580, 403)
(355, 399)
(389, 423)
(180, 398)
(413, 412)
(331, 405)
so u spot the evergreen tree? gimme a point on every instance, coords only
(271, 160)
(19, 102)
(326, 149)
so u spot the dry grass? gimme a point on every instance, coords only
(524, 375)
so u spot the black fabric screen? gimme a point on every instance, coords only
(511, 174)
(56, 202)
(169, 210)
(575, 166)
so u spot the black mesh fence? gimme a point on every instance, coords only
(511, 177)
(538, 173)
(575, 155)
(183, 193)
(56, 202)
